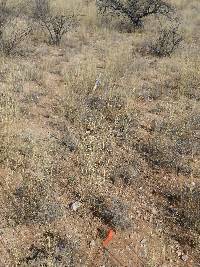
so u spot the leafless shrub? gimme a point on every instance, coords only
(3, 14)
(135, 10)
(168, 41)
(129, 173)
(3, 3)
(55, 25)
(190, 209)
(12, 35)
(173, 143)
(8, 104)
(114, 213)
(161, 152)
(33, 202)
(52, 248)
(41, 9)
(181, 210)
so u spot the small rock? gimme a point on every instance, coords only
(192, 186)
(179, 253)
(154, 211)
(184, 257)
(143, 253)
(92, 244)
(143, 241)
(75, 206)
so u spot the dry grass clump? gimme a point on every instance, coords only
(189, 79)
(15, 32)
(105, 125)
(8, 105)
(180, 214)
(130, 171)
(20, 153)
(14, 29)
(52, 249)
(180, 82)
(188, 209)
(23, 153)
(33, 202)
(8, 115)
(173, 143)
(113, 213)
(169, 40)
(190, 205)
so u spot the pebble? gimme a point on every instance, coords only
(76, 205)
(92, 244)
(179, 253)
(154, 211)
(143, 241)
(184, 257)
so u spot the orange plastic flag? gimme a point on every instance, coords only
(109, 237)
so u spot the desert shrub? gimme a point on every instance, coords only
(163, 152)
(8, 105)
(181, 210)
(125, 127)
(189, 80)
(33, 202)
(95, 103)
(174, 142)
(69, 142)
(41, 9)
(3, 13)
(159, 152)
(13, 29)
(3, 3)
(129, 172)
(114, 213)
(135, 10)
(167, 42)
(190, 209)
(148, 93)
(54, 249)
(12, 35)
(55, 25)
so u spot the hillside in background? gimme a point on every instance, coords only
(99, 131)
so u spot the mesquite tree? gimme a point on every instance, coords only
(135, 10)
(55, 25)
